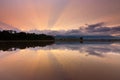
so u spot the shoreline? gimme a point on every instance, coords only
(65, 40)
(91, 40)
(27, 40)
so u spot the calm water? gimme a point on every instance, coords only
(61, 61)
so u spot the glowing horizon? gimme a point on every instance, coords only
(58, 14)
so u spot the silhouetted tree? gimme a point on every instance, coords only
(81, 39)
(13, 35)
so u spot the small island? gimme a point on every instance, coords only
(12, 40)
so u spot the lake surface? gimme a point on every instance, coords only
(61, 61)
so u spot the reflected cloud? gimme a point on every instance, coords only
(94, 49)
(91, 49)
(94, 53)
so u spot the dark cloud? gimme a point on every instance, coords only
(96, 29)
(100, 27)
(74, 32)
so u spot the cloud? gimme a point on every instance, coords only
(92, 29)
(95, 29)
(4, 26)
(100, 27)
(94, 26)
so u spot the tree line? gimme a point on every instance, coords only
(13, 35)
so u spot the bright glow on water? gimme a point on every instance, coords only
(62, 62)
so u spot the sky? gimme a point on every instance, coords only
(28, 15)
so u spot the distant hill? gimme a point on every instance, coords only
(85, 37)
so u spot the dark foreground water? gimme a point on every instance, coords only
(60, 61)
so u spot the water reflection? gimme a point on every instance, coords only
(12, 46)
(60, 61)
(91, 48)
